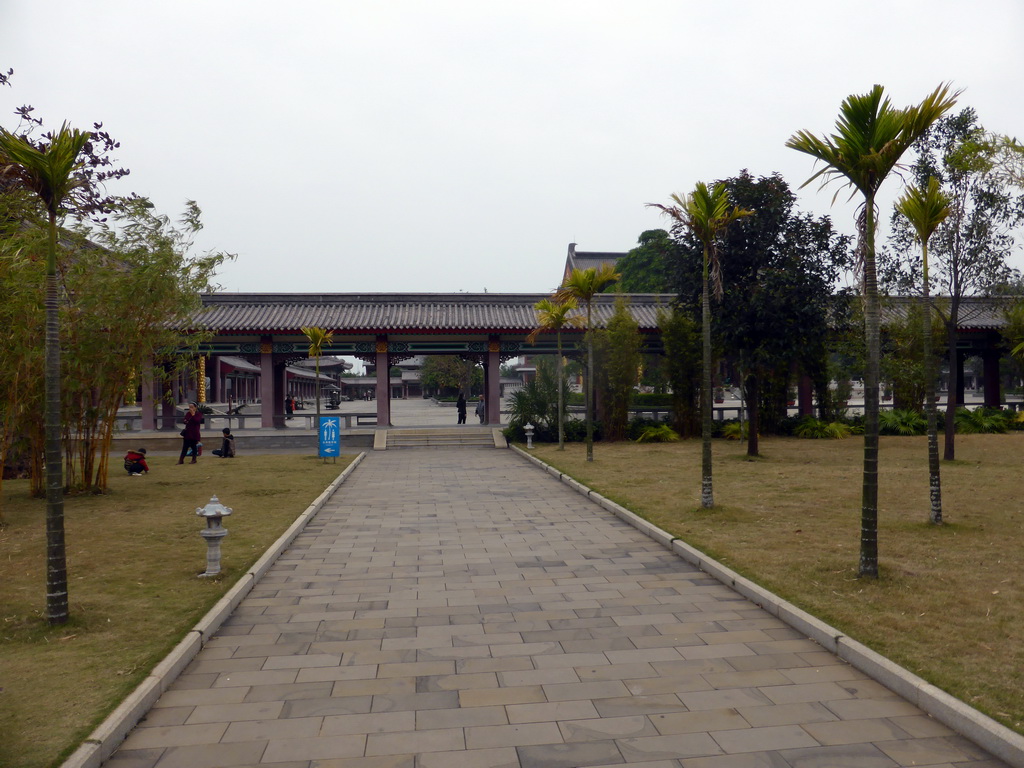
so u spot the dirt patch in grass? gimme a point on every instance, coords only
(133, 559)
(949, 604)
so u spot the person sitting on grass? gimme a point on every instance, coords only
(227, 445)
(135, 462)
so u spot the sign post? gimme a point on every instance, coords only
(330, 436)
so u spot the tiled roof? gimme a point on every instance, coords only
(977, 313)
(396, 312)
(472, 312)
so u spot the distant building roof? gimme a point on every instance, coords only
(977, 313)
(266, 313)
(588, 259)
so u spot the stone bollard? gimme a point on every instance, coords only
(214, 512)
(528, 429)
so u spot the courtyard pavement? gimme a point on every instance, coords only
(462, 608)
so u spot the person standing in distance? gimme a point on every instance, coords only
(190, 434)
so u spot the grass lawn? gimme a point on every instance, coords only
(949, 604)
(133, 559)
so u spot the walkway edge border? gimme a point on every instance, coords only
(992, 736)
(107, 737)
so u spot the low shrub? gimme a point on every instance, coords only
(901, 421)
(984, 421)
(658, 433)
(815, 429)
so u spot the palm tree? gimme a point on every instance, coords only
(926, 209)
(318, 339)
(871, 137)
(50, 171)
(583, 285)
(553, 315)
(706, 213)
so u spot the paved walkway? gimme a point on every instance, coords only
(463, 609)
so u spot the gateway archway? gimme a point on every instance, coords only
(265, 331)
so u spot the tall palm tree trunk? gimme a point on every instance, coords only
(869, 497)
(753, 389)
(561, 394)
(56, 559)
(931, 409)
(707, 498)
(952, 337)
(590, 387)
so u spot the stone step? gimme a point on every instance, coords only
(465, 437)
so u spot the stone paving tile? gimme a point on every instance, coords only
(570, 755)
(504, 757)
(280, 750)
(773, 738)
(214, 755)
(464, 609)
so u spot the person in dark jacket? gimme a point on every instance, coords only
(190, 434)
(460, 406)
(135, 462)
(227, 445)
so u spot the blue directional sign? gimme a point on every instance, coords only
(330, 435)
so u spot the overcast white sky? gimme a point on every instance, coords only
(449, 145)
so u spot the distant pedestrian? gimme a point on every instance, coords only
(481, 410)
(227, 445)
(190, 434)
(289, 406)
(135, 462)
(460, 406)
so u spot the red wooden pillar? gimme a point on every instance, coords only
(492, 381)
(383, 383)
(267, 384)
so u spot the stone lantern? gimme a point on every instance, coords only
(214, 512)
(528, 429)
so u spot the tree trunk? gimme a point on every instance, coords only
(934, 479)
(753, 394)
(949, 451)
(561, 385)
(56, 559)
(590, 387)
(869, 494)
(707, 499)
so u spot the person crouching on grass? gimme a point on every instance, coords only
(227, 445)
(135, 462)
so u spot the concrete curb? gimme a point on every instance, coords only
(107, 737)
(1005, 744)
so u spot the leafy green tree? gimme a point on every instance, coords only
(778, 296)
(971, 246)
(617, 348)
(926, 209)
(553, 315)
(50, 171)
(870, 138)
(707, 213)
(583, 285)
(682, 339)
(650, 267)
(318, 339)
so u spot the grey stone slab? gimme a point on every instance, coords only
(281, 750)
(570, 755)
(213, 755)
(673, 747)
(769, 738)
